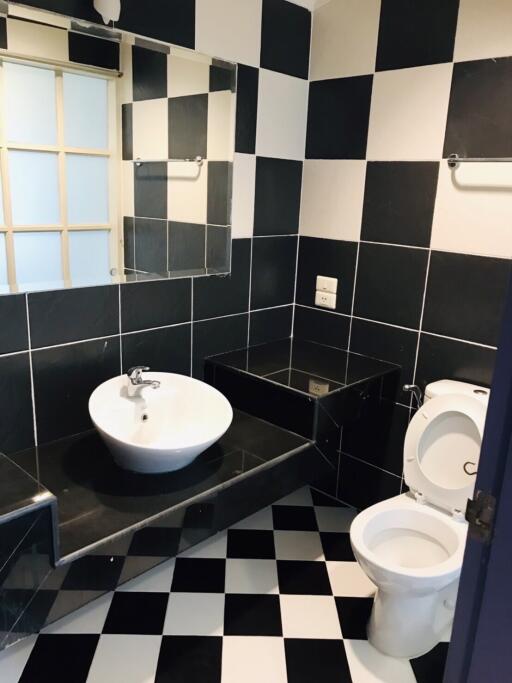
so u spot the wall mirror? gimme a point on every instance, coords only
(115, 156)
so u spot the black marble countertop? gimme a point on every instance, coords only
(313, 369)
(19, 491)
(97, 499)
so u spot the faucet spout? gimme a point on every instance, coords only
(136, 382)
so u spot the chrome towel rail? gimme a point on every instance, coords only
(140, 162)
(454, 160)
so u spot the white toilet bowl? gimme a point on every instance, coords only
(412, 546)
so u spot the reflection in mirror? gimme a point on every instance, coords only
(111, 172)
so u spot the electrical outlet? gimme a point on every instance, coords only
(325, 300)
(326, 284)
(317, 387)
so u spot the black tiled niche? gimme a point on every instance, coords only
(277, 199)
(85, 49)
(285, 34)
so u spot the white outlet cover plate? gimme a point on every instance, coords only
(326, 284)
(325, 300)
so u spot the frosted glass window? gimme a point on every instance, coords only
(87, 182)
(89, 257)
(38, 260)
(85, 111)
(30, 109)
(34, 188)
(3, 264)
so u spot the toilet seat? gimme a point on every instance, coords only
(444, 434)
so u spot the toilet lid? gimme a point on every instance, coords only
(445, 433)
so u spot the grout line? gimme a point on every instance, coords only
(393, 244)
(421, 323)
(73, 343)
(353, 297)
(375, 467)
(250, 292)
(120, 332)
(32, 388)
(191, 325)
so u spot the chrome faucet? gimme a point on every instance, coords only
(136, 383)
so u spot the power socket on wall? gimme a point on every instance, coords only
(325, 300)
(326, 289)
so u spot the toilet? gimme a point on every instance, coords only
(412, 545)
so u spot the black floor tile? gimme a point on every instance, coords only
(60, 658)
(430, 667)
(252, 615)
(251, 544)
(137, 613)
(310, 660)
(337, 546)
(155, 542)
(190, 659)
(353, 614)
(303, 578)
(294, 518)
(94, 572)
(196, 575)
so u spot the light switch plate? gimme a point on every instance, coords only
(326, 284)
(325, 300)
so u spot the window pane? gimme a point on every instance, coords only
(34, 188)
(30, 104)
(85, 111)
(4, 287)
(89, 257)
(37, 256)
(87, 189)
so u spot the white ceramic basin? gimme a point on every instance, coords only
(163, 429)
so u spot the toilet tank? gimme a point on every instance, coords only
(450, 386)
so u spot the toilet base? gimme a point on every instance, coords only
(403, 626)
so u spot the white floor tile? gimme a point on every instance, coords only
(368, 665)
(298, 545)
(251, 576)
(125, 659)
(309, 616)
(87, 619)
(156, 580)
(253, 660)
(259, 520)
(301, 496)
(13, 660)
(334, 518)
(195, 614)
(349, 580)
(214, 547)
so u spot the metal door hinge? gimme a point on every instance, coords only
(480, 516)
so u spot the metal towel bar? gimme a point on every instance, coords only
(454, 160)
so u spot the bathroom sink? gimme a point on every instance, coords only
(162, 428)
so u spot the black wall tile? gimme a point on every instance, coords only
(163, 350)
(218, 246)
(390, 284)
(215, 296)
(64, 378)
(387, 343)
(149, 73)
(186, 246)
(3, 33)
(399, 199)
(73, 315)
(212, 337)
(270, 325)
(321, 326)
(127, 130)
(129, 241)
(13, 323)
(150, 191)
(440, 358)
(151, 245)
(172, 22)
(465, 296)
(273, 271)
(246, 109)
(480, 109)
(285, 36)
(90, 50)
(16, 425)
(334, 258)
(277, 198)
(338, 115)
(81, 9)
(416, 33)
(220, 175)
(155, 304)
(222, 76)
(188, 124)
(362, 485)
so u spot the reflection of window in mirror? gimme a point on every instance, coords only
(57, 149)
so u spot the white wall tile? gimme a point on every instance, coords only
(127, 188)
(187, 194)
(229, 29)
(344, 38)
(408, 113)
(37, 40)
(125, 83)
(473, 210)
(242, 212)
(221, 126)
(150, 129)
(332, 198)
(484, 29)
(282, 116)
(186, 76)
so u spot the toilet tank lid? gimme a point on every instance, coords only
(444, 387)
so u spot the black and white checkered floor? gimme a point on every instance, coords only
(278, 597)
